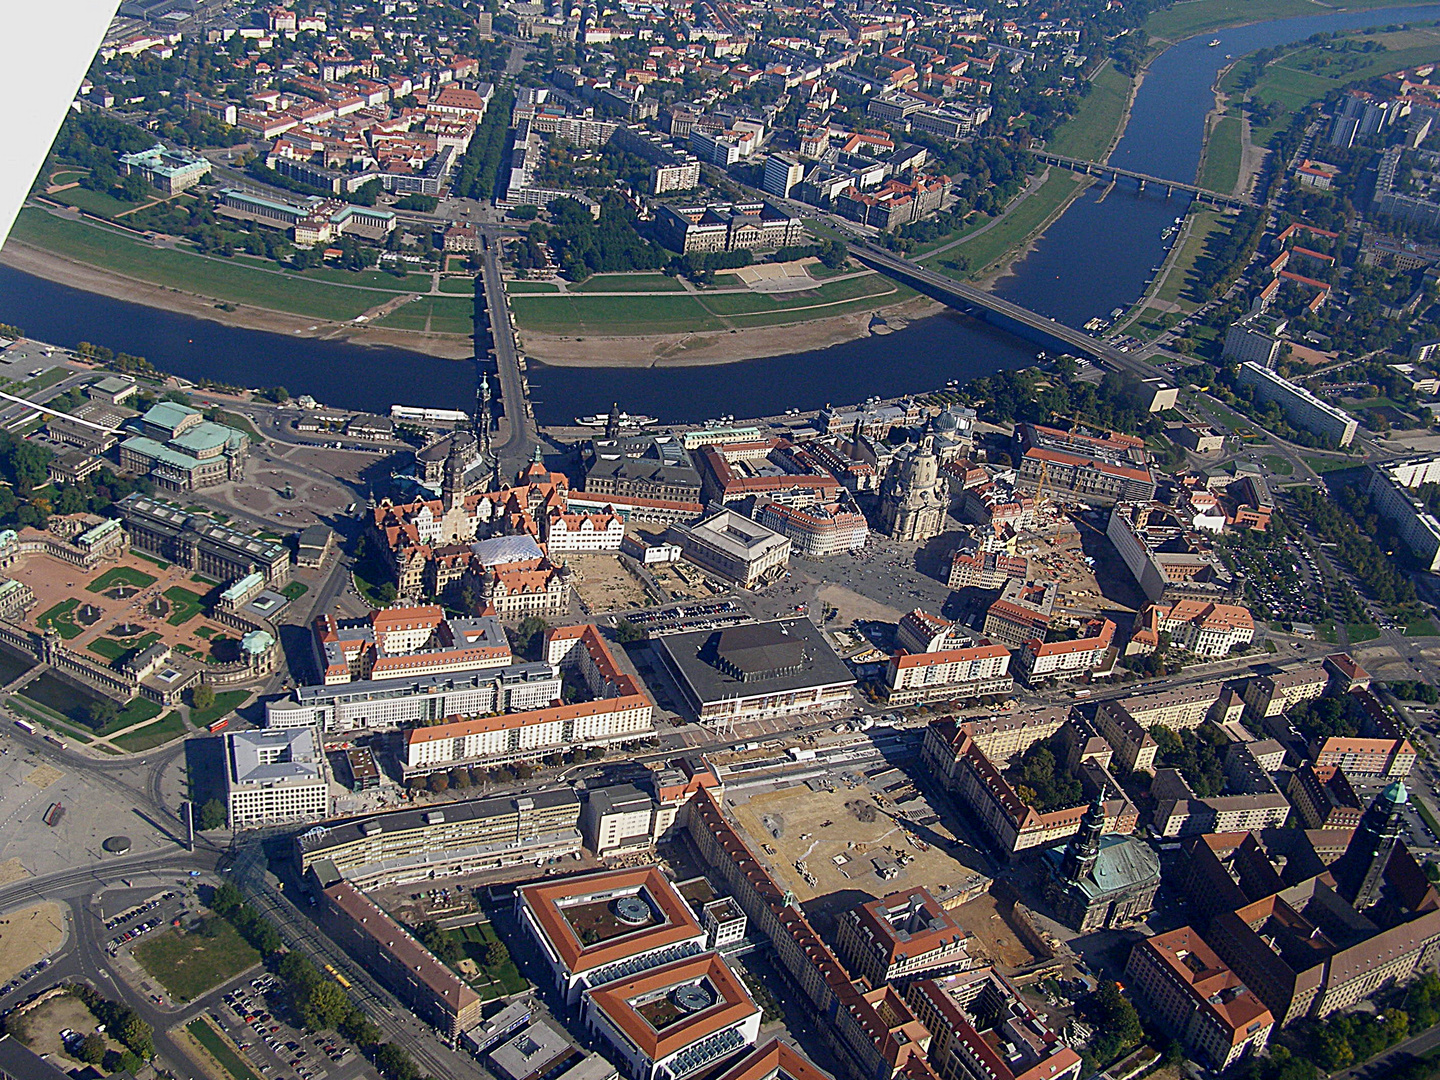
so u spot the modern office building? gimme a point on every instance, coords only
(388, 704)
(1392, 486)
(1301, 408)
(595, 928)
(456, 838)
(273, 777)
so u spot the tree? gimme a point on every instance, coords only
(527, 634)
(627, 632)
(439, 782)
(202, 697)
(212, 815)
(100, 713)
(496, 954)
(324, 1005)
(395, 1064)
(92, 1049)
(138, 1036)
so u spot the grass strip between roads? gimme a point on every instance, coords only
(204, 1033)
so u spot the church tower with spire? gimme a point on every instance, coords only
(1084, 846)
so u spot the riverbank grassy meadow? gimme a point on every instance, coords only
(982, 250)
(1190, 17)
(1089, 133)
(434, 315)
(621, 314)
(1221, 170)
(221, 279)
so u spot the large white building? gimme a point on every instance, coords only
(274, 776)
(387, 704)
(1302, 408)
(1391, 487)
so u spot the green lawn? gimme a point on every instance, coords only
(749, 303)
(1089, 133)
(458, 285)
(96, 202)
(171, 726)
(120, 575)
(201, 1031)
(295, 590)
(218, 278)
(602, 283)
(1422, 628)
(375, 279)
(189, 964)
(787, 316)
(434, 314)
(1323, 465)
(1191, 17)
(521, 287)
(58, 619)
(1276, 463)
(474, 941)
(661, 314)
(1359, 632)
(185, 605)
(150, 558)
(225, 702)
(1012, 230)
(137, 712)
(1221, 171)
(112, 649)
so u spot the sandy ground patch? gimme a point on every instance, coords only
(44, 1023)
(994, 938)
(12, 870)
(28, 935)
(856, 608)
(605, 585)
(44, 776)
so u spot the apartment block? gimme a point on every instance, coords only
(975, 671)
(900, 936)
(1301, 408)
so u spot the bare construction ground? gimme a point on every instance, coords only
(604, 584)
(845, 842)
(995, 939)
(29, 935)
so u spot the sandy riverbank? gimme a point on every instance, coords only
(77, 275)
(721, 347)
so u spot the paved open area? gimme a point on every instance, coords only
(28, 846)
(123, 607)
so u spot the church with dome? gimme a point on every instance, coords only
(1097, 881)
(914, 495)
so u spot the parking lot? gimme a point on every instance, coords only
(254, 1016)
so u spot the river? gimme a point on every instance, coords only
(1096, 257)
